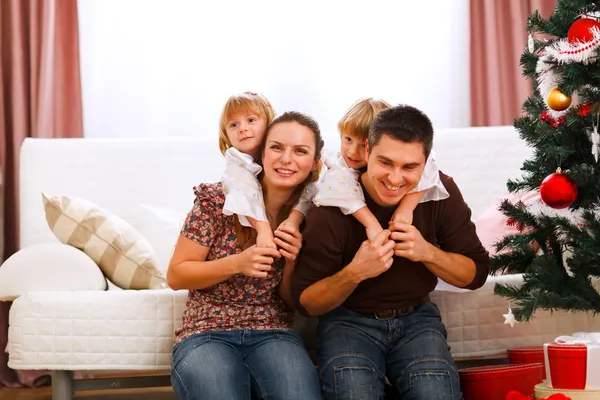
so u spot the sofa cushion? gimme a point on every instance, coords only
(122, 253)
(162, 228)
(48, 267)
(492, 225)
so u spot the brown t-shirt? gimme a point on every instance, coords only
(331, 239)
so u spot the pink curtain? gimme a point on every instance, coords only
(40, 82)
(498, 38)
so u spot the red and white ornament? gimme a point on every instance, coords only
(558, 190)
(581, 44)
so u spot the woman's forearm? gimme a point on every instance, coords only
(192, 275)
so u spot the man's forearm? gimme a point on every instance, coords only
(329, 293)
(452, 268)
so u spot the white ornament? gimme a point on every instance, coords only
(595, 139)
(530, 43)
(510, 318)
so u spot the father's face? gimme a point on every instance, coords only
(394, 168)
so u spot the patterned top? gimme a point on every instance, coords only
(239, 302)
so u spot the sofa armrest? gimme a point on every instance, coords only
(48, 267)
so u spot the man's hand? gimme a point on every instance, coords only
(410, 243)
(289, 241)
(373, 258)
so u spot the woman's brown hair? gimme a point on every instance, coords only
(310, 123)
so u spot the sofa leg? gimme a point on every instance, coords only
(62, 385)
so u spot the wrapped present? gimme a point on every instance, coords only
(573, 362)
(494, 382)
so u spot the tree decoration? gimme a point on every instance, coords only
(581, 44)
(552, 121)
(558, 101)
(558, 190)
(510, 318)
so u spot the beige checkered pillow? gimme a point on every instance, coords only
(122, 253)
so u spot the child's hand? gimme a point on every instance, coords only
(402, 216)
(373, 231)
(264, 238)
(289, 224)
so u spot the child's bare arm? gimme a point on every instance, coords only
(368, 220)
(264, 234)
(404, 211)
(294, 220)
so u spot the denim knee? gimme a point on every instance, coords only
(205, 369)
(352, 376)
(432, 378)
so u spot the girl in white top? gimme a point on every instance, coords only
(244, 121)
(339, 186)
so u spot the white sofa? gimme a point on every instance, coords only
(148, 182)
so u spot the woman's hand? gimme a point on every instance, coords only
(289, 240)
(256, 261)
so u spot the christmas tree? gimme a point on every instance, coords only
(558, 247)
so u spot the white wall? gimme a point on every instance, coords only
(165, 67)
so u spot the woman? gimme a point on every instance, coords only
(237, 337)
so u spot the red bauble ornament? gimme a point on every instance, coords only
(558, 190)
(580, 30)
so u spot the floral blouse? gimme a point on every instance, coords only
(239, 302)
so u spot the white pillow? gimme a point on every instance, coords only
(161, 227)
(48, 267)
(122, 253)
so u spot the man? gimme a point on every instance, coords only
(372, 298)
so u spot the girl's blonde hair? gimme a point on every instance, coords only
(246, 102)
(358, 118)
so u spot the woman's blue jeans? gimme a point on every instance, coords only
(244, 364)
(357, 352)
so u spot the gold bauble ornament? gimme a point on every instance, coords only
(557, 101)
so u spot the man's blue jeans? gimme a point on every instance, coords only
(244, 364)
(357, 352)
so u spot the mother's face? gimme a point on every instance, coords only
(289, 154)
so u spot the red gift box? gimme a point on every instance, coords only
(527, 355)
(573, 362)
(494, 382)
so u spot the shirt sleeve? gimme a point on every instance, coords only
(306, 198)
(431, 183)
(321, 255)
(243, 192)
(339, 187)
(456, 233)
(205, 218)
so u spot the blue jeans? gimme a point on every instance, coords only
(357, 352)
(244, 364)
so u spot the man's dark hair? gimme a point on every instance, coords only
(405, 123)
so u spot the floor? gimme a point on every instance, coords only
(45, 393)
(165, 393)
